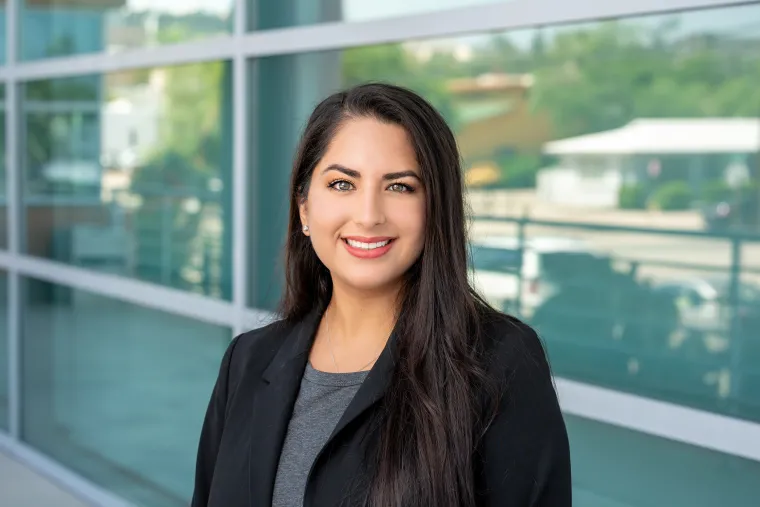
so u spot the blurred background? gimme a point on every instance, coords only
(612, 159)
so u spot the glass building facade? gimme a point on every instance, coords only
(612, 157)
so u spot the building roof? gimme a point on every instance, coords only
(666, 136)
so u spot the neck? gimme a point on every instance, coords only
(364, 318)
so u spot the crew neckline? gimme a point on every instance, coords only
(326, 378)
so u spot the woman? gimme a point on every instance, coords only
(388, 382)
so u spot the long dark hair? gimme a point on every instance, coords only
(432, 416)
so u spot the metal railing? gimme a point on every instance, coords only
(736, 333)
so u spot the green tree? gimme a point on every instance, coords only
(393, 64)
(601, 77)
(190, 122)
(189, 154)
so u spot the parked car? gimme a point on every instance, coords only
(704, 303)
(500, 273)
(700, 308)
(607, 326)
(732, 339)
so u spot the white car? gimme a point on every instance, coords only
(495, 272)
(703, 303)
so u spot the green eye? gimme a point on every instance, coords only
(341, 185)
(400, 187)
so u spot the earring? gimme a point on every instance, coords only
(305, 228)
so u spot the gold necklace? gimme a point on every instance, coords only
(332, 352)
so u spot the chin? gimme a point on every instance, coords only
(371, 280)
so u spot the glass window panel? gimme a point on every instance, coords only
(648, 122)
(265, 14)
(69, 27)
(3, 190)
(745, 329)
(129, 173)
(4, 359)
(115, 391)
(3, 42)
(614, 466)
(646, 313)
(285, 89)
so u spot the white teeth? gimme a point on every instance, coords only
(367, 246)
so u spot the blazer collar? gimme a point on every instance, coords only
(276, 395)
(370, 392)
(372, 389)
(273, 403)
(295, 347)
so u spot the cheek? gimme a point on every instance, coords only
(409, 218)
(325, 215)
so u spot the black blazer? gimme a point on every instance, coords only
(523, 461)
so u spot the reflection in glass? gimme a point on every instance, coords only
(3, 42)
(3, 190)
(617, 466)
(644, 123)
(128, 173)
(652, 314)
(68, 27)
(286, 88)
(745, 326)
(115, 391)
(266, 14)
(644, 313)
(4, 359)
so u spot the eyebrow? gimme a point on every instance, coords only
(356, 174)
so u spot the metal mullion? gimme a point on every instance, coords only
(206, 50)
(130, 290)
(240, 190)
(498, 16)
(13, 221)
(471, 20)
(665, 419)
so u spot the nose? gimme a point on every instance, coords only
(369, 212)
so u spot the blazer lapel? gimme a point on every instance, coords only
(273, 406)
(372, 389)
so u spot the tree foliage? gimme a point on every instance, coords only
(392, 63)
(592, 77)
(189, 149)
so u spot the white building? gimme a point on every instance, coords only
(593, 167)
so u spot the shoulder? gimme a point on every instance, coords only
(249, 354)
(513, 347)
(262, 339)
(517, 360)
(525, 452)
(252, 351)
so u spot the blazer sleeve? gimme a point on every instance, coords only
(211, 433)
(526, 451)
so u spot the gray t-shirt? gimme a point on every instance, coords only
(322, 399)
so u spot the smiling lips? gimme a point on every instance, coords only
(367, 248)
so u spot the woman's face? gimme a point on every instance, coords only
(365, 207)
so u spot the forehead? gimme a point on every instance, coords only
(368, 146)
